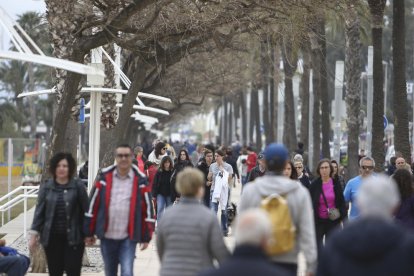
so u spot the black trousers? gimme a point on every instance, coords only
(324, 227)
(63, 257)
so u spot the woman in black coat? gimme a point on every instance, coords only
(326, 194)
(183, 161)
(161, 188)
(58, 219)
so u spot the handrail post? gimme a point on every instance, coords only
(25, 213)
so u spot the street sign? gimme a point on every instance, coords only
(385, 122)
(82, 111)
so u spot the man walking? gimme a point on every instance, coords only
(273, 183)
(120, 213)
(366, 168)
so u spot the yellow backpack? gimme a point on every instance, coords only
(283, 228)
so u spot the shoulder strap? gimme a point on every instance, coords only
(324, 198)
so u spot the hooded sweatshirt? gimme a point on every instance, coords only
(368, 246)
(300, 207)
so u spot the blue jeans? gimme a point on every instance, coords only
(243, 180)
(115, 252)
(14, 265)
(162, 203)
(224, 228)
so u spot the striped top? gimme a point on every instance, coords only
(59, 224)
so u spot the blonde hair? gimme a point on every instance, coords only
(189, 182)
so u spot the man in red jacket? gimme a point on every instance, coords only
(121, 213)
(251, 159)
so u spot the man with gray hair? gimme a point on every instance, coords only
(366, 169)
(372, 244)
(252, 235)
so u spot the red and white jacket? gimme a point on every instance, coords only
(141, 215)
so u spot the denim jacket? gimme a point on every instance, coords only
(76, 201)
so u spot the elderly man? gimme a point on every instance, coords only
(366, 168)
(372, 244)
(252, 234)
(400, 163)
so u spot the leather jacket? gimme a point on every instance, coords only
(76, 201)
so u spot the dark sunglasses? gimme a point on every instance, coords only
(120, 156)
(164, 148)
(367, 167)
(299, 167)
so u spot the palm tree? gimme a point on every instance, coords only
(402, 140)
(353, 84)
(377, 8)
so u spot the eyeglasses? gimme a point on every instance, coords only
(121, 156)
(164, 148)
(367, 167)
(299, 167)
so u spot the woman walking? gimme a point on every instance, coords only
(290, 171)
(161, 189)
(405, 213)
(160, 150)
(189, 237)
(336, 174)
(328, 201)
(182, 162)
(58, 219)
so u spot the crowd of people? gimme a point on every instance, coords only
(340, 227)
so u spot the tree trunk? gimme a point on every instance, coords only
(273, 91)
(378, 102)
(243, 117)
(119, 133)
(71, 138)
(63, 111)
(316, 103)
(402, 140)
(353, 87)
(304, 97)
(257, 119)
(377, 13)
(324, 94)
(264, 65)
(225, 122)
(253, 111)
(230, 116)
(289, 66)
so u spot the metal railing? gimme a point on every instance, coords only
(28, 192)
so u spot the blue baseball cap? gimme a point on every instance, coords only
(276, 152)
